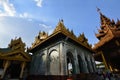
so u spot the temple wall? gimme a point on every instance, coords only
(53, 60)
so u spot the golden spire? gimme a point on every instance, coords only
(60, 26)
(104, 20)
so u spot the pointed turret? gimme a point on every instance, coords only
(118, 22)
(16, 44)
(106, 24)
(83, 40)
(60, 26)
(104, 20)
(41, 36)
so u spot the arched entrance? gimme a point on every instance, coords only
(70, 64)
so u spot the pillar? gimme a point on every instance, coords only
(110, 68)
(85, 69)
(7, 63)
(84, 64)
(94, 65)
(104, 61)
(90, 65)
(76, 63)
(22, 69)
(61, 56)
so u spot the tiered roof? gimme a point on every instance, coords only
(61, 29)
(15, 51)
(109, 29)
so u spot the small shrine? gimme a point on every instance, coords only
(13, 60)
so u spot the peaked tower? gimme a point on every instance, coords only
(60, 26)
(109, 42)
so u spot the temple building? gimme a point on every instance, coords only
(61, 54)
(14, 60)
(108, 47)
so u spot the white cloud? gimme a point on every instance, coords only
(10, 27)
(8, 8)
(45, 26)
(20, 24)
(39, 3)
(25, 15)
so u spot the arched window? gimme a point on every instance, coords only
(54, 66)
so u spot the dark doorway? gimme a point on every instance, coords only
(1, 64)
(14, 69)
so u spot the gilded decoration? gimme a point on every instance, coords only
(60, 28)
(41, 36)
(84, 40)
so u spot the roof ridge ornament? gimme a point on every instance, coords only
(41, 36)
(104, 20)
(84, 40)
(60, 26)
(98, 10)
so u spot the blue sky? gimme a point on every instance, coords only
(25, 18)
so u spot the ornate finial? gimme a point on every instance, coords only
(62, 20)
(103, 18)
(60, 26)
(15, 37)
(98, 9)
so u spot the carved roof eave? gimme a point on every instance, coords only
(99, 35)
(66, 33)
(113, 34)
(116, 34)
(6, 54)
(103, 42)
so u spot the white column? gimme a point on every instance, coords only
(62, 59)
(76, 62)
